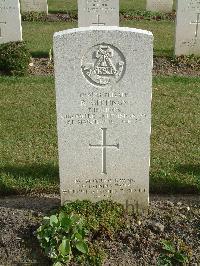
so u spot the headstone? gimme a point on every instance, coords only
(39, 6)
(98, 13)
(10, 21)
(187, 27)
(165, 6)
(103, 85)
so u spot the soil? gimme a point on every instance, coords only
(168, 218)
(162, 66)
(73, 16)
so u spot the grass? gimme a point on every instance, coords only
(29, 145)
(29, 154)
(71, 5)
(38, 35)
(64, 6)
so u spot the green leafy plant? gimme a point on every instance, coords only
(14, 58)
(146, 15)
(63, 237)
(103, 217)
(34, 16)
(173, 254)
(75, 232)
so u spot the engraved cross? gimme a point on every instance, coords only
(98, 23)
(0, 27)
(197, 23)
(104, 146)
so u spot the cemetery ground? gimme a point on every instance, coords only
(29, 181)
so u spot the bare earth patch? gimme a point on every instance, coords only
(162, 66)
(168, 218)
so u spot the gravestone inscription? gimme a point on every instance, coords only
(98, 13)
(187, 28)
(103, 87)
(34, 6)
(160, 5)
(10, 21)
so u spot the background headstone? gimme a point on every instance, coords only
(187, 27)
(160, 5)
(98, 13)
(10, 21)
(34, 6)
(103, 85)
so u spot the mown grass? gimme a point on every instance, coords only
(64, 6)
(28, 146)
(71, 5)
(29, 139)
(38, 35)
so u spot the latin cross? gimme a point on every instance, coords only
(98, 23)
(0, 27)
(197, 23)
(104, 146)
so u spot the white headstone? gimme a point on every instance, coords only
(160, 5)
(34, 6)
(103, 86)
(10, 21)
(187, 27)
(98, 13)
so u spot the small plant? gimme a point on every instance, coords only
(173, 254)
(63, 237)
(14, 58)
(34, 16)
(147, 15)
(103, 217)
(76, 231)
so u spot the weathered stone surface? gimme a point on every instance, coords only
(103, 86)
(98, 13)
(34, 6)
(10, 21)
(187, 27)
(160, 5)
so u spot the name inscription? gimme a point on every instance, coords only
(100, 108)
(99, 6)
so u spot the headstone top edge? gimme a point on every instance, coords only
(102, 28)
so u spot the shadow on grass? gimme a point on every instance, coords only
(40, 54)
(47, 171)
(167, 183)
(38, 178)
(193, 169)
(164, 52)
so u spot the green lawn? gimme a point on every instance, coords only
(71, 5)
(38, 35)
(29, 143)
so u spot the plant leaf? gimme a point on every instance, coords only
(64, 247)
(168, 246)
(180, 257)
(58, 264)
(82, 247)
(78, 236)
(64, 221)
(53, 220)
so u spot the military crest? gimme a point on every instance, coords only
(103, 64)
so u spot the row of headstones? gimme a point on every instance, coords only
(42, 6)
(34, 6)
(103, 12)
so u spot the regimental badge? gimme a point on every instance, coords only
(103, 65)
